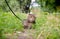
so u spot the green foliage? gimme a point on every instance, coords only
(12, 3)
(9, 22)
(23, 4)
(47, 5)
(2, 5)
(47, 25)
(16, 5)
(40, 21)
(2, 36)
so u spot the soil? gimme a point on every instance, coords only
(27, 34)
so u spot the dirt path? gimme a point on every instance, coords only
(28, 34)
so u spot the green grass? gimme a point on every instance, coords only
(47, 25)
(9, 22)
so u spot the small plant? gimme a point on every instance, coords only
(2, 36)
